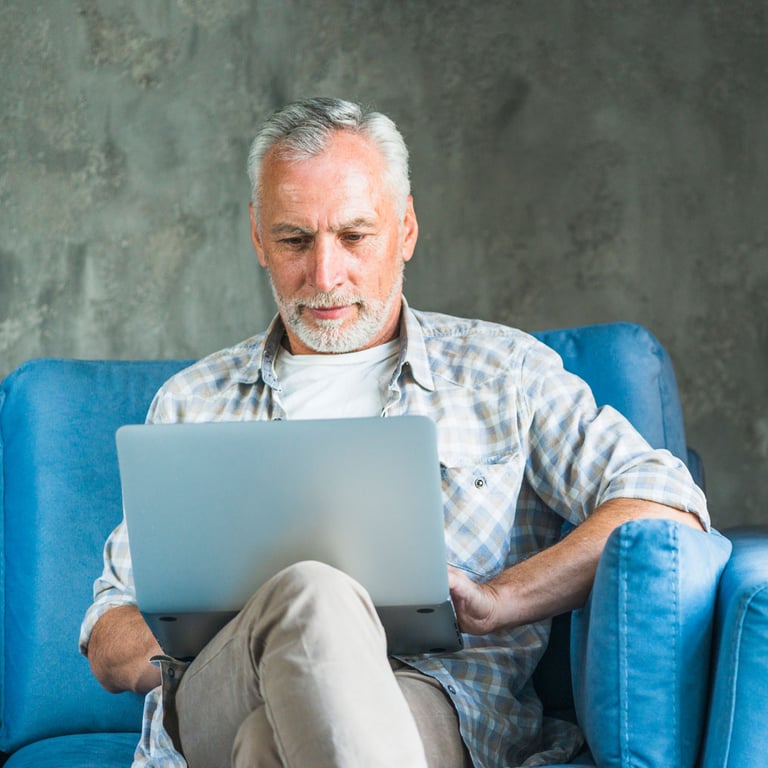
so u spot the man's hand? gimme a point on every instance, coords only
(477, 605)
(553, 581)
(119, 650)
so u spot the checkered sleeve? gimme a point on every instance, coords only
(582, 456)
(114, 587)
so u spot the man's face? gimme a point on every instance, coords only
(334, 244)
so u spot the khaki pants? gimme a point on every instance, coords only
(300, 679)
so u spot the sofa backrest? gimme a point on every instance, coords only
(60, 494)
(61, 497)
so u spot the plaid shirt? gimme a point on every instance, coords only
(523, 450)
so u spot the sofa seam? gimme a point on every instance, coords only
(623, 651)
(661, 355)
(676, 650)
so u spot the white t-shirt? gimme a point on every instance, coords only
(336, 386)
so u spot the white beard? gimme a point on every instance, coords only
(332, 336)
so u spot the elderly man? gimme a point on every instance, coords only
(301, 677)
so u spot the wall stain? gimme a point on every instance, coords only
(120, 41)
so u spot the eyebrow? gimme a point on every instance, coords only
(289, 229)
(295, 229)
(361, 221)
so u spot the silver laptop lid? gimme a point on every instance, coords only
(213, 510)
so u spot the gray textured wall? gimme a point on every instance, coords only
(574, 162)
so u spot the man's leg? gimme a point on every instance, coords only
(308, 650)
(433, 711)
(435, 716)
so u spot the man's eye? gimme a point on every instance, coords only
(295, 242)
(354, 237)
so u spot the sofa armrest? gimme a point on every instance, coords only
(736, 733)
(640, 648)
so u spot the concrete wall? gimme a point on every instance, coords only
(574, 162)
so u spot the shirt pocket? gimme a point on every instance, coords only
(479, 503)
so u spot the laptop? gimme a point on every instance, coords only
(214, 510)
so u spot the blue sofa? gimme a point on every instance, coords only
(665, 666)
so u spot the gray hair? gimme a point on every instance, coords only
(302, 130)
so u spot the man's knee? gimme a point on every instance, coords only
(310, 590)
(313, 575)
(313, 579)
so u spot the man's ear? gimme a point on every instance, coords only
(255, 236)
(410, 230)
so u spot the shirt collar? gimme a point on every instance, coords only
(413, 349)
(269, 350)
(413, 352)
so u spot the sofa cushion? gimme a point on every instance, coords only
(61, 497)
(736, 733)
(90, 750)
(641, 646)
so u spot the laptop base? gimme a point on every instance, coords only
(410, 629)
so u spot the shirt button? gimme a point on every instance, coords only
(479, 482)
(451, 689)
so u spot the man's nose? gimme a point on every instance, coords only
(327, 268)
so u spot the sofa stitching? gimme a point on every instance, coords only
(674, 535)
(624, 650)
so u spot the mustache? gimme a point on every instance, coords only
(327, 300)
